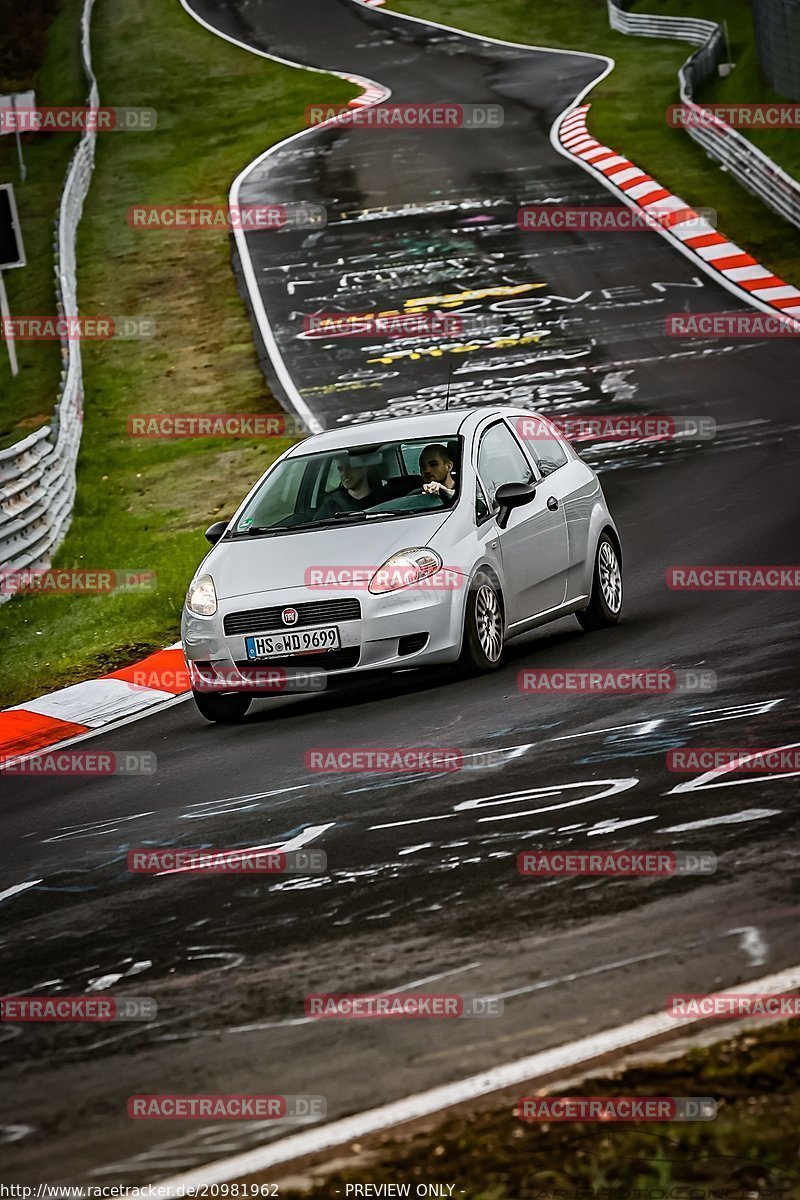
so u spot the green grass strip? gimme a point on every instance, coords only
(140, 503)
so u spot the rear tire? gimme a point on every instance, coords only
(222, 710)
(482, 643)
(605, 604)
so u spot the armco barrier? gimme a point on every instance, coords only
(748, 165)
(37, 475)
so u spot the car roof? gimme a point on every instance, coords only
(429, 425)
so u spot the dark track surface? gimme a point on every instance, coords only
(403, 902)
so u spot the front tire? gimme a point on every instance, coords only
(482, 644)
(605, 605)
(222, 710)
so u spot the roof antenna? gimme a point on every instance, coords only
(449, 379)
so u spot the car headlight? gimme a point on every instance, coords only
(201, 599)
(405, 568)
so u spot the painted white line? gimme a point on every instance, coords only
(546, 1062)
(543, 984)
(17, 888)
(702, 782)
(492, 41)
(737, 818)
(296, 843)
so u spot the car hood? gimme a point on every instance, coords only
(262, 564)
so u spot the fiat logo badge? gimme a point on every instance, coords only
(289, 616)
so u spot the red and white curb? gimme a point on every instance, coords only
(733, 267)
(86, 708)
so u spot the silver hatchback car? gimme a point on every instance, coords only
(400, 543)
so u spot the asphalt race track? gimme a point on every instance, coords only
(421, 887)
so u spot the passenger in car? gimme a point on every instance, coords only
(436, 468)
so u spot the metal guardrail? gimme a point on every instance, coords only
(752, 168)
(37, 475)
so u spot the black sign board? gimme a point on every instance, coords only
(12, 252)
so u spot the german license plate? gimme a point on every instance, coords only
(296, 641)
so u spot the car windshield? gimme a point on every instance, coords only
(360, 483)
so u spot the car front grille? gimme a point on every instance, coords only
(311, 612)
(325, 660)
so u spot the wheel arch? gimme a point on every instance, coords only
(613, 537)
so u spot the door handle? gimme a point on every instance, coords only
(552, 503)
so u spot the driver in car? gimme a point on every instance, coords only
(436, 469)
(357, 489)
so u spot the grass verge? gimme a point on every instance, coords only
(629, 106)
(143, 503)
(749, 1150)
(52, 66)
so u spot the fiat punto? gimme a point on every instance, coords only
(401, 543)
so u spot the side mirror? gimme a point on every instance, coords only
(512, 495)
(215, 531)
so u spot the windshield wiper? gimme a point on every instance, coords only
(342, 516)
(337, 519)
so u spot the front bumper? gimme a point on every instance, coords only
(383, 637)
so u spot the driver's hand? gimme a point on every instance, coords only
(431, 489)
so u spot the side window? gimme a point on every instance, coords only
(501, 460)
(279, 500)
(547, 453)
(482, 510)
